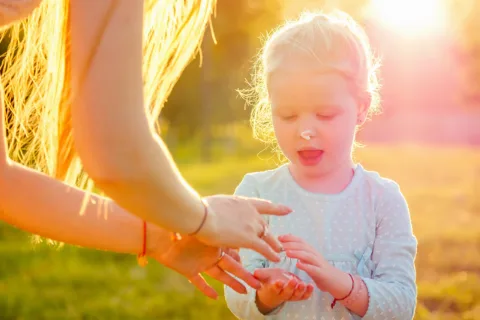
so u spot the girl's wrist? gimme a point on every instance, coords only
(338, 283)
(264, 305)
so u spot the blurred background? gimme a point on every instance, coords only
(427, 138)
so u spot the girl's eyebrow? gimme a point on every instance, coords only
(284, 107)
(328, 107)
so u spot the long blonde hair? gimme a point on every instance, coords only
(36, 71)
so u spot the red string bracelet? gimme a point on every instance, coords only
(142, 257)
(351, 290)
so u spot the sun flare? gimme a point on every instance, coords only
(409, 16)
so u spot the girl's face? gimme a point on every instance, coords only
(317, 105)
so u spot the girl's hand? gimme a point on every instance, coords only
(236, 222)
(190, 257)
(309, 260)
(279, 286)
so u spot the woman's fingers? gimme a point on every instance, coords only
(264, 242)
(271, 240)
(267, 207)
(202, 285)
(259, 245)
(235, 268)
(234, 254)
(220, 275)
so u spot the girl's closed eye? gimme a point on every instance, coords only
(325, 116)
(289, 117)
(286, 115)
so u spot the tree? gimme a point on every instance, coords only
(205, 94)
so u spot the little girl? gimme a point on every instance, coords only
(349, 241)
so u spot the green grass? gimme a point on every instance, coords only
(441, 185)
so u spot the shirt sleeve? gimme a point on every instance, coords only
(243, 306)
(392, 289)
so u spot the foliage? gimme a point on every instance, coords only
(205, 96)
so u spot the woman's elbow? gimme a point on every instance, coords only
(110, 169)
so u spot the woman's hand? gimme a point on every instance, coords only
(14, 10)
(190, 257)
(236, 222)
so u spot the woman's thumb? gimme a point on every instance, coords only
(261, 274)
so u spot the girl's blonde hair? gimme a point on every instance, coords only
(334, 41)
(36, 71)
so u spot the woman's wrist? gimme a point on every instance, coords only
(156, 239)
(207, 227)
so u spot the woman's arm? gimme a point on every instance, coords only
(118, 148)
(42, 205)
(47, 207)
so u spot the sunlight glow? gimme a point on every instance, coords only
(410, 17)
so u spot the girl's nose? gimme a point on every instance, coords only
(307, 134)
(307, 128)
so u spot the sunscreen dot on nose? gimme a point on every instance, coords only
(305, 135)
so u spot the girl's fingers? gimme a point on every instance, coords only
(297, 246)
(288, 289)
(308, 292)
(295, 243)
(304, 257)
(277, 287)
(290, 238)
(299, 292)
(311, 270)
(294, 246)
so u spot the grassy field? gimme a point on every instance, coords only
(442, 187)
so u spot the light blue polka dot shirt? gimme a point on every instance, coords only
(365, 230)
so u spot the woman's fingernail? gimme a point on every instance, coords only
(285, 208)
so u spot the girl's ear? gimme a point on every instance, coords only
(363, 108)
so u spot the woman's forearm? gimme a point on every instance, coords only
(117, 145)
(47, 207)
